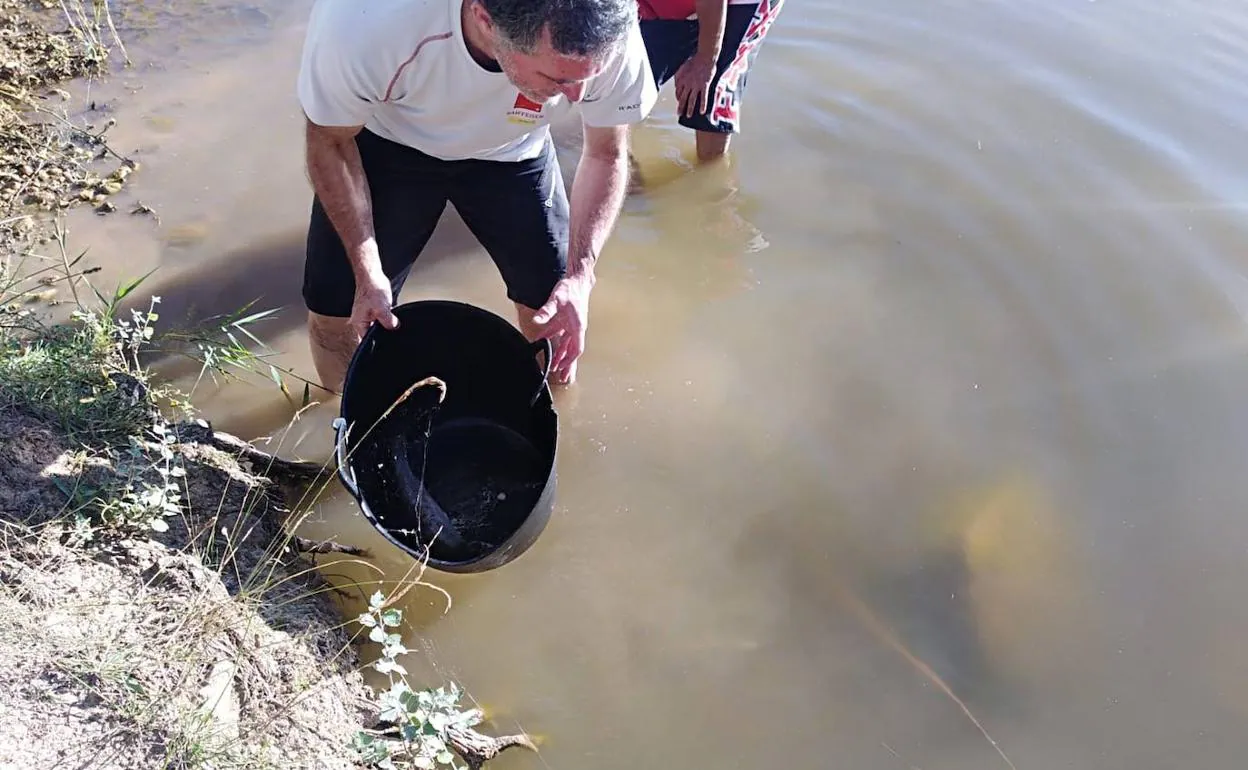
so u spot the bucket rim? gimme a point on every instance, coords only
(524, 536)
(375, 329)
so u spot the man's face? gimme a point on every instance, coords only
(543, 74)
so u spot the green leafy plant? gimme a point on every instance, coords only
(420, 720)
(144, 501)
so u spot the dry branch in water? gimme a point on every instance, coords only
(200, 432)
(269, 465)
(473, 747)
(477, 749)
(306, 545)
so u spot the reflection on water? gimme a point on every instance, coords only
(957, 340)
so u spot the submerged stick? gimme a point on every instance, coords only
(306, 545)
(881, 632)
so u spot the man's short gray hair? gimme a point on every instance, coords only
(577, 27)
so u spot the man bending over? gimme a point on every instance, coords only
(414, 103)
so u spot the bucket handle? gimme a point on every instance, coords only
(340, 448)
(543, 346)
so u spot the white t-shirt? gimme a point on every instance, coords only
(402, 69)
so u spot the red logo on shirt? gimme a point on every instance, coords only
(525, 111)
(525, 103)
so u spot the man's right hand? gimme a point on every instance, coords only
(373, 302)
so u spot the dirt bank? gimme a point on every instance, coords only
(207, 645)
(155, 610)
(152, 613)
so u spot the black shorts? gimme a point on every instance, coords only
(670, 43)
(517, 210)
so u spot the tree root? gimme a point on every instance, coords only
(473, 747)
(476, 748)
(200, 432)
(304, 545)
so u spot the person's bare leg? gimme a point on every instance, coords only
(333, 342)
(712, 145)
(724, 215)
(636, 184)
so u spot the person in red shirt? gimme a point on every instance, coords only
(708, 46)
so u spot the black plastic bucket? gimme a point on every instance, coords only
(474, 461)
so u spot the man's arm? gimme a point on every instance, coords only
(341, 75)
(693, 79)
(711, 15)
(597, 195)
(620, 98)
(337, 176)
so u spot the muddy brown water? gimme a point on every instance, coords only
(961, 337)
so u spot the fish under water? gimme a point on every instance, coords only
(402, 473)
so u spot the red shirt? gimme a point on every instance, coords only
(665, 9)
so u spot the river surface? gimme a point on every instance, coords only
(941, 384)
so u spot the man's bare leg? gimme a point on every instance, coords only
(333, 342)
(712, 145)
(636, 184)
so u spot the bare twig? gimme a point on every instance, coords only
(80, 130)
(108, 18)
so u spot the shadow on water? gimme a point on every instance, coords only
(266, 276)
(891, 635)
(978, 593)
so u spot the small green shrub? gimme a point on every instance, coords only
(420, 719)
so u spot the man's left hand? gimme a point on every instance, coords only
(564, 319)
(693, 85)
